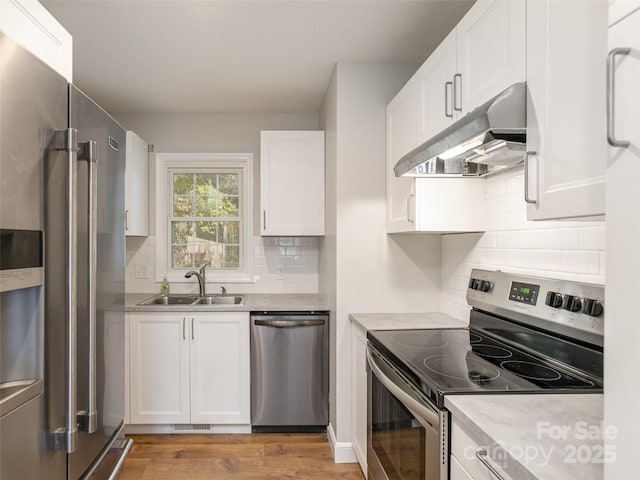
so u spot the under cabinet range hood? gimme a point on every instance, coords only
(487, 140)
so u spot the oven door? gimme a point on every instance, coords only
(407, 435)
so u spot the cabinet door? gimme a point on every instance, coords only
(32, 26)
(566, 62)
(623, 257)
(450, 205)
(220, 390)
(435, 89)
(159, 376)
(401, 139)
(137, 186)
(292, 182)
(491, 51)
(456, 471)
(359, 398)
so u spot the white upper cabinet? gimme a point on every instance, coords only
(137, 186)
(435, 90)
(401, 139)
(490, 52)
(566, 73)
(292, 183)
(31, 25)
(623, 230)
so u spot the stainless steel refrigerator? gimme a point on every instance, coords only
(62, 331)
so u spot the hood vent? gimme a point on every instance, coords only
(487, 140)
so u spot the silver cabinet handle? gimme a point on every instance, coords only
(65, 438)
(482, 456)
(264, 219)
(410, 218)
(457, 76)
(193, 333)
(526, 177)
(184, 328)
(126, 220)
(88, 420)
(611, 88)
(447, 101)
(289, 324)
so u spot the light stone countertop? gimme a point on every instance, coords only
(256, 302)
(404, 321)
(537, 437)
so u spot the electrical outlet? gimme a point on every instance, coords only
(142, 271)
(280, 272)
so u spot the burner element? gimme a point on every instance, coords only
(530, 370)
(490, 351)
(469, 369)
(416, 340)
(473, 338)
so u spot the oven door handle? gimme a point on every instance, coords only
(417, 407)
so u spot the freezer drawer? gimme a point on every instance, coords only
(289, 371)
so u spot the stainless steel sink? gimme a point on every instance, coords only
(193, 300)
(221, 300)
(170, 300)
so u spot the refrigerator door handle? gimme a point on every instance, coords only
(65, 438)
(88, 419)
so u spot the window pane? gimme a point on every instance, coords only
(181, 232)
(229, 232)
(180, 257)
(230, 207)
(182, 206)
(228, 183)
(206, 206)
(182, 184)
(231, 257)
(205, 184)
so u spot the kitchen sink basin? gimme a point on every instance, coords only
(170, 300)
(193, 300)
(221, 300)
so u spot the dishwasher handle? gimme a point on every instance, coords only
(289, 323)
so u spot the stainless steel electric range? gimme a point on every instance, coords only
(525, 335)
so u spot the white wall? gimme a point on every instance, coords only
(223, 133)
(566, 250)
(362, 269)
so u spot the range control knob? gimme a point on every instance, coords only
(485, 286)
(472, 282)
(572, 303)
(592, 307)
(554, 299)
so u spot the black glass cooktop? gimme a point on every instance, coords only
(463, 361)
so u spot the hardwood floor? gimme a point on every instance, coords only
(251, 457)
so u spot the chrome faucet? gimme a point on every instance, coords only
(202, 281)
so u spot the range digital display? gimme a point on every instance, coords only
(524, 293)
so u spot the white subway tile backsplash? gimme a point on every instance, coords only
(299, 255)
(593, 238)
(564, 250)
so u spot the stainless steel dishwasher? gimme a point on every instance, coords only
(289, 371)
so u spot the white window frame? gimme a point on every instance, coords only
(166, 164)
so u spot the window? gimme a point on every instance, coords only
(204, 205)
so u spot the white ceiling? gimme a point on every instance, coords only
(236, 55)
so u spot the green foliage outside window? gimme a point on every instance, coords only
(206, 220)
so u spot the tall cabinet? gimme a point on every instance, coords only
(622, 332)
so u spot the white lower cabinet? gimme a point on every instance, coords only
(189, 367)
(359, 392)
(465, 464)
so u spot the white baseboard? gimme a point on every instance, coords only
(342, 451)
